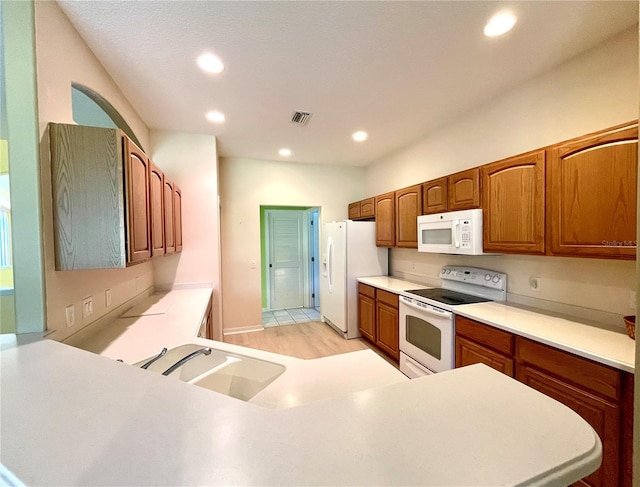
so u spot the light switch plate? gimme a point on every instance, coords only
(107, 298)
(70, 315)
(87, 307)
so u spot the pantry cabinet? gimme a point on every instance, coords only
(408, 203)
(601, 395)
(591, 194)
(385, 220)
(108, 200)
(513, 200)
(378, 318)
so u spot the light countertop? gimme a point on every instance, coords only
(570, 334)
(71, 417)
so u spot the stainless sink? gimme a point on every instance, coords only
(229, 373)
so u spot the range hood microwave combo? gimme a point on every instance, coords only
(454, 232)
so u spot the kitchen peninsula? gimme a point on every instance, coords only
(119, 425)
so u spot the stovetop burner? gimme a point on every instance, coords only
(447, 296)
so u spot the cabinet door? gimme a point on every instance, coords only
(468, 353)
(591, 184)
(513, 203)
(138, 235)
(435, 196)
(386, 220)
(367, 317)
(408, 207)
(602, 415)
(368, 208)
(464, 190)
(387, 331)
(156, 204)
(354, 210)
(177, 208)
(169, 217)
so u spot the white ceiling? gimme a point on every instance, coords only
(394, 69)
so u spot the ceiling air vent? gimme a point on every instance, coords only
(301, 118)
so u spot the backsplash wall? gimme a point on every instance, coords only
(568, 285)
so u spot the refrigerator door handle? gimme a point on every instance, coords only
(329, 263)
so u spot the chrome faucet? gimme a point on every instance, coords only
(160, 355)
(183, 360)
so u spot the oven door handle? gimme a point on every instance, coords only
(433, 311)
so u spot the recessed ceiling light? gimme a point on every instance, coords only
(285, 152)
(499, 24)
(360, 136)
(215, 116)
(210, 63)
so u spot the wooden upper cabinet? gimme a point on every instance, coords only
(435, 196)
(513, 201)
(169, 217)
(408, 207)
(386, 220)
(362, 210)
(464, 190)
(368, 208)
(157, 208)
(591, 194)
(177, 208)
(89, 195)
(354, 210)
(138, 214)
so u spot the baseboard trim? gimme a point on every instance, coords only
(243, 329)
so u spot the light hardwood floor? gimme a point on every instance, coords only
(303, 340)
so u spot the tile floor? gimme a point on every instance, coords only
(289, 316)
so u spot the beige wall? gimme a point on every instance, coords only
(593, 91)
(63, 58)
(245, 185)
(191, 161)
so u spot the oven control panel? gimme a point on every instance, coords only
(473, 275)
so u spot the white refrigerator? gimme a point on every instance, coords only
(349, 251)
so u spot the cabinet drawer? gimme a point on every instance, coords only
(387, 298)
(367, 290)
(498, 340)
(595, 377)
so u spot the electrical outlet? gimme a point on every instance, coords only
(87, 307)
(253, 264)
(413, 266)
(534, 284)
(632, 300)
(138, 283)
(107, 298)
(70, 315)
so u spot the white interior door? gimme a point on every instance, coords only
(286, 259)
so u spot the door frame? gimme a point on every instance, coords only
(307, 248)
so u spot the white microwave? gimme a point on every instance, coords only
(454, 232)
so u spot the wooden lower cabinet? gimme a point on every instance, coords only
(367, 312)
(468, 352)
(602, 415)
(378, 319)
(601, 395)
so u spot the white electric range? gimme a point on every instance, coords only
(427, 327)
